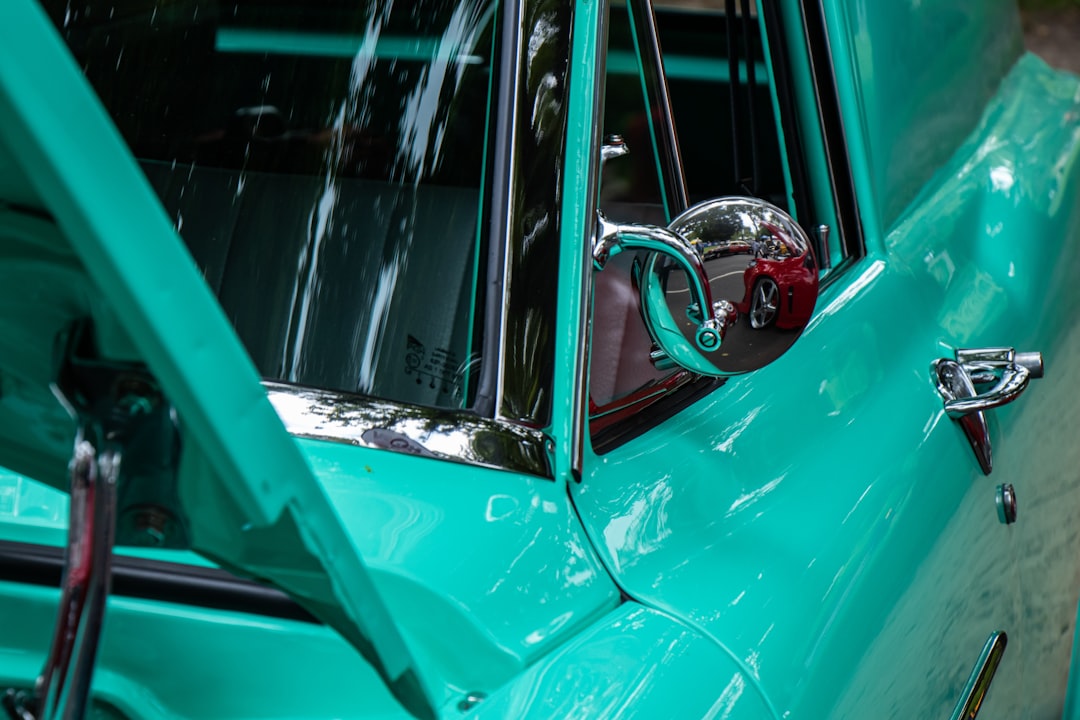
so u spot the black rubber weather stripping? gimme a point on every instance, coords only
(155, 580)
(663, 409)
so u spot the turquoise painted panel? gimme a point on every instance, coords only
(483, 571)
(250, 497)
(160, 661)
(913, 79)
(823, 519)
(633, 663)
(194, 663)
(998, 233)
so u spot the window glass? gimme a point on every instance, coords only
(729, 145)
(323, 162)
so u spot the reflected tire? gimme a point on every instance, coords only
(764, 303)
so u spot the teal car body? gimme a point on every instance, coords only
(505, 509)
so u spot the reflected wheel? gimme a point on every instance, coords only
(764, 303)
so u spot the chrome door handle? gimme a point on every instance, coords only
(982, 366)
(1008, 371)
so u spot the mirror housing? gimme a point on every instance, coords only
(745, 251)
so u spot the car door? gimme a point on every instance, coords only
(823, 518)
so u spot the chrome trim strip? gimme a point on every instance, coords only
(971, 699)
(502, 189)
(503, 213)
(580, 399)
(443, 434)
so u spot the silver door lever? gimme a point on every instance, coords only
(1007, 371)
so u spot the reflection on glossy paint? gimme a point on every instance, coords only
(855, 375)
(27, 502)
(726, 704)
(746, 500)
(941, 267)
(538, 636)
(1002, 179)
(973, 303)
(737, 429)
(852, 291)
(403, 525)
(500, 507)
(644, 528)
(857, 504)
(634, 663)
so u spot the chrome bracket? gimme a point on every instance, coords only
(1004, 373)
(118, 410)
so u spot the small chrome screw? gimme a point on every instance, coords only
(471, 700)
(1006, 503)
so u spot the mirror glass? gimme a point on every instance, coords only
(759, 260)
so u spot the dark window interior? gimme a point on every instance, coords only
(694, 44)
(323, 160)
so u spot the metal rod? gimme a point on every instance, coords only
(643, 18)
(751, 88)
(733, 86)
(63, 690)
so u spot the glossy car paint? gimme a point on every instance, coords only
(445, 544)
(799, 559)
(913, 80)
(823, 519)
(473, 640)
(634, 663)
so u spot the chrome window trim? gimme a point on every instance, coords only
(454, 436)
(580, 429)
(489, 397)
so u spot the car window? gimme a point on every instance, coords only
(723, 153)
(323, 163)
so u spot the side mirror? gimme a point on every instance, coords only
(748, 253)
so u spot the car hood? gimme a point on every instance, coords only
(85, 243)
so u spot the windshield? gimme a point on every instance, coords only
(323, 161)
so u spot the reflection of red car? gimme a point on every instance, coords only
(781, 283)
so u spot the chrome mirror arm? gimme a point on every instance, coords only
(613, 238)
(736, 237)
